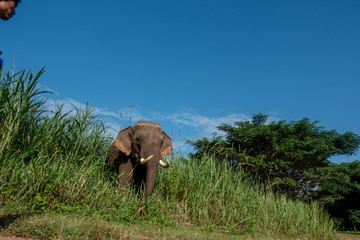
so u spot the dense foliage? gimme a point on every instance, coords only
(279, 154)
(52, 161)
(339, 192)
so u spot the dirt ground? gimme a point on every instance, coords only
(345, 237)
(340, 235)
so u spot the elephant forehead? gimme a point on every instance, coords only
(147, 131)
(151, 136)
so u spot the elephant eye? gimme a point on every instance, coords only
(137, 143)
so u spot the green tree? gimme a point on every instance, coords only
(339, 192)
(278, 153)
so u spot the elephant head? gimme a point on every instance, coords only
(138, 151)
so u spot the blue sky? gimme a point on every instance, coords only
(191, 65)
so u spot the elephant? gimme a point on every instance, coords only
(137, 152)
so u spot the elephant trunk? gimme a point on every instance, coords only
(150, 180)
(151, 167)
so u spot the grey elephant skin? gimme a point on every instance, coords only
(137, 152)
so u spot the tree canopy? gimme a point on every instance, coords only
(278, 153)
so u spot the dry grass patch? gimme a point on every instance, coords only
(75, 227)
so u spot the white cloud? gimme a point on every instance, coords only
(116, 120)
(203, 124)
(68, 105)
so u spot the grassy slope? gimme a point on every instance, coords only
(55, 226)
(52, 168)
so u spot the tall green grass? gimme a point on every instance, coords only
(42, 150)
(51, 161)
(209, 193)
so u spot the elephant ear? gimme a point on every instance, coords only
(123, 141)
(166, 146)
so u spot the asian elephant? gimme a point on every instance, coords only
(138, 151)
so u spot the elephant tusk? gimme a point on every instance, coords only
(144, 161)
(164, 165)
